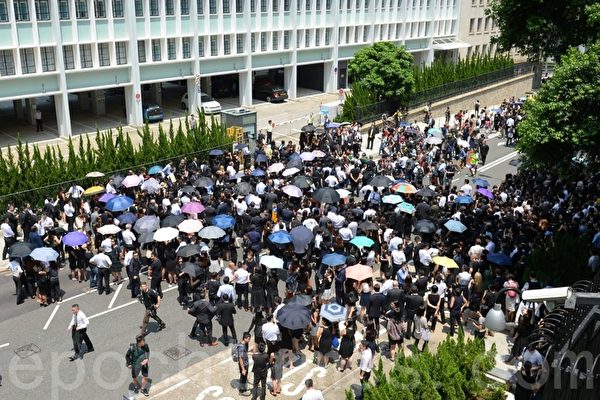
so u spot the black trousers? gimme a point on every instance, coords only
(242, 294)
(259, 386)
(155, 284)
(205, 329)
(8, 241)
(232, 330)
(18, 288)
(55, 292)
(78, 337)
(103, 280)
(38, 125)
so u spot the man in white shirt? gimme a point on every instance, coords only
(240, 206)
(241, 278)
(16, 271)
(311, 393)
(345, 234)
(78, 328)
(128, 236)
(466, 189)
(226, 288)
(331, 181)
(366, 361)
(103, 262)
(270, 334)
(110, 188)
(9, 237)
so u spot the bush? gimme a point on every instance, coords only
(360, 96)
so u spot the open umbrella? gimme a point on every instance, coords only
(455, 226)
(211, 232)
(192, 269)
(303, 300)
(258, 172)
(307, 156)
(333, 259)
(302, 181)
(127, 218)
(148, 223)
(261, 158)
(293, 316)
(368, 226)
(319, 153)
(146, 237)
(193, 207)
(499, 259)
(188, 189)
(463, 200)
(281, 237)
(151, 185)
(406, 208)
(271, 262)
(380, 181)
(119, 203)
(117, 180)
(445, 262)
(290, 171)
(301, 236)
(359, 272)
(276, 168)
(486, 193)
(188, 251)
(425, 226)
(326, 195)
(110, 229)
(362, 241)
(295, 163)
(45, 254)
(223, 221)
(154, 170)
(292, 191)
(482, 183)
(392, 199)
(435, 132)
(20, 249)
(433, 140)
(463, 143)
(216, 152)
(426, 192)
(308, 128)
(204, 182)
(404, 187)
(343, 193)
(131, 181)
(190, 226)
(243, 188)
(165, 234)
(75, 238)
(106, 197)
(333, 312)
(172, 221)
(93, 190)
(94, 174)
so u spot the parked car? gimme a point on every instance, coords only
(269, 93)
(208, 104)
(152, 112)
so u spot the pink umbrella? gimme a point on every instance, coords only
(359, 272)
(106, 197)
(131, 181)
(193, 207)
(318, 153)
(486, 193)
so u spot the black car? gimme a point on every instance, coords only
(269, 93)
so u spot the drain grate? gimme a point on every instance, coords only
(177, 352)
(27, 350)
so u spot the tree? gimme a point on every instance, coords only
(385, 69)
(562, 120)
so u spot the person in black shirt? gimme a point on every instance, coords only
(155, 273)
(375, 306)
(262, 363)
(224, 313)
(151, 301)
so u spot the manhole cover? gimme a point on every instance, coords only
(27, 350)
(177, 352)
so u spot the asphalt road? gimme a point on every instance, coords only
(35, 346)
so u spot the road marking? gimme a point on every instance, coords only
(74, 297)
(498, 161)
(4, 345)
(175, 386)
(112, 301)
(51, 317)
(125, 305)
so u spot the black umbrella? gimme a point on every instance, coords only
(172, 221)
(308, 128)
(58, 231)
(425, 226)
(188, 251)
(303, 300)
(426, 192)
(302, 181)
(243, 188)
(296, 163)
(146, 237)
(204, 182)
(188, 189)
(20, 249)
(368, 226)
(380, 181)
(193, 270)
(117, 180)
(326, 195)
(293, 316)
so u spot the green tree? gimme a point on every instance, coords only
(544, 28)
(385, 69)
(562, 120)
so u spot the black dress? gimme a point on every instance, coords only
(272, 291)
(347, 343)
(259, 299)
(325, 341)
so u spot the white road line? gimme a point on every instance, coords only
(112, 301)
(4, 345)
(175, 386)
(294, 370)
(500, 144)
(125, 305)
(51, 317)
(498, 161)
(74, 297)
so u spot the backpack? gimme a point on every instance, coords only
(511, 293)
(235, 353)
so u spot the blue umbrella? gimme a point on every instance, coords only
(406, 207)
(258, 172)
(281, 237)
(127, 218)
(392, 199)
(463, 200)
(499, 259)
(481, 182)
(404, 124)
(496, 110)
(333, 259)
(46, 254)
(301, 236)
(455, 226)
(74, 238)
(154, 170)
(216, 152)
(333, 312)
(294, 156)
(436, 132)
(223, 221)
(240, 146)
(119, 203)
(261, 158)
(333, 125)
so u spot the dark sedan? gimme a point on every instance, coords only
(269, 93)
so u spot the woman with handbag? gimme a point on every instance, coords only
(396, 327)
(347, 344)
(421, 329)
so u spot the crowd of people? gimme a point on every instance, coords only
(290, 224)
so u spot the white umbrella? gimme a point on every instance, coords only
(422, 125)
(211, 232)
(151, 185)
(343, 193)
(367, 188)
(131, 181)
(190, 226)
(109, 229)
(165, 234)
(433, 140)
(276, 168)
(94, 174)
(318, 153)
(271, 262)
(292, 191)
(307, 156)
(290, 171)
(463, 143)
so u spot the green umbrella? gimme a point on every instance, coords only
(362, 241)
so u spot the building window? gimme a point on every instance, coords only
(139, 8)
(275, 6)
(154, 8)
(212, 7)
(286, 5)
(214, 45)
(99, 9)
(366, 4)
(141, 51)
(85, 55)
(200, 7)
(103, 54)
(252, 6)
(121, 52)
(308, 5)
(169, 7)
(200, 47)
(156, 50)
(472, 25)
(48, 62)
(21, 10)
(3, 11)
(239, 6)
(186, 44)
(307, 38)
(252, 42)
(356, 34)
(263, 41)
(171, 49)
(7, 63)
(484, 49)
(68, 57)
(479, 23)
(42, 11)
(365, 37)
(299, 35)
(81, 9)
(263, 6)
(317, 38)
(227, 44)
(486, 26)
(286, 40)
(184, 7)
(117, 8)
(275, 41)
(226, 7)
(318, 5)
(239, 43)
(327, 36)
(327, 5)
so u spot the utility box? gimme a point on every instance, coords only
(241, 118)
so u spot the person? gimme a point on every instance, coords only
(204, 312)
(270, 334)
(347, 344)
(373, 132)
(103, 263)
(155, 272)
(133, 267)
(312, 393)
(269, 129)
(151, 301)
(261, 366)
(484, 149)
(224, 313)
(78, 328)
(366, 361)
(17, 275)
(136, 358)
(193, 123)
(9, 236)
(396, 327)
(421, 329)
(38, 120)
(526, 382)
(375, 306)
(243, 363)
(457, 306)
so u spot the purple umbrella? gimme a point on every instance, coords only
(486, 193)
(193, 207)
(106, 197)
(75, 238)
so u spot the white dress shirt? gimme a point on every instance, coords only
(270, 331)
(15, 268)
(7, 231)
(101, 260)
(128, 237)
(366, 358)
(79, 321)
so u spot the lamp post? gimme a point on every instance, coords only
(494, 320)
